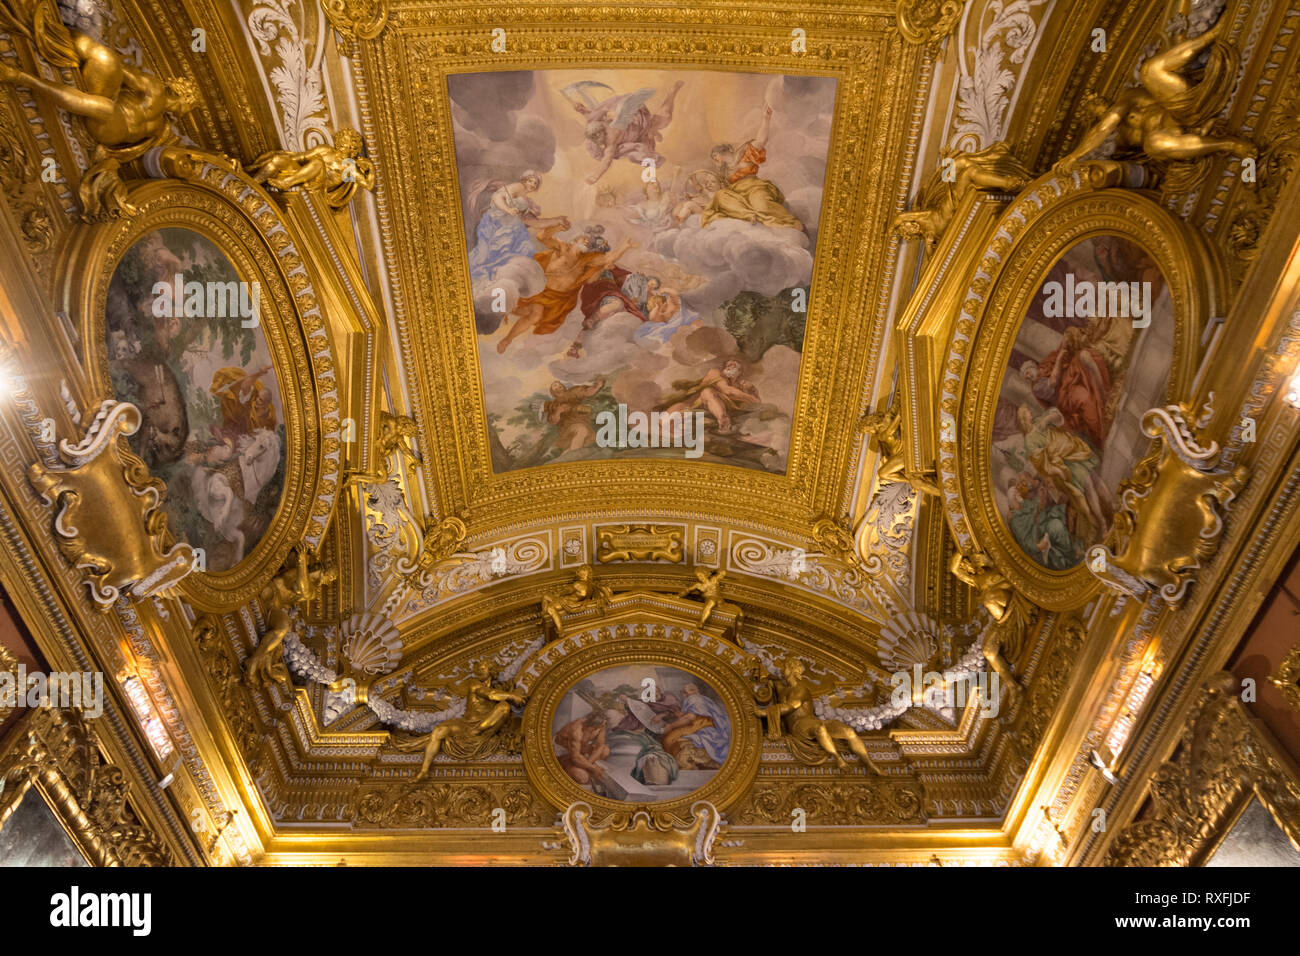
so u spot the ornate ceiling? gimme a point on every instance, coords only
(396, 387)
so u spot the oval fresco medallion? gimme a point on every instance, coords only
(1092, 354)
(186, 347)
(641, 733)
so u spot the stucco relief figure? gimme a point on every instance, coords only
(335, 170)
(297, 585)
(793, 711)
(125, 110)
(708, 585)
(887, 430)
(993, 169)
(584, 591)
(1007, 609)
(487, 710)
(1171, 117)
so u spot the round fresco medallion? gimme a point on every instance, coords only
(641, 733)
(185, 346)
(1092, 354)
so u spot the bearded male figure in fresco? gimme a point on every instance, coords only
(583, 743)
(721, 391)
(568, 266)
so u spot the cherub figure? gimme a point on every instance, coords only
(793, 711)
(1169, 117)
(708, 586)
(993, 169)
(583, 591)
(300, 584)
(1003, 604)
(335, 170)
(125, 110)
(887, 429)
(487, 708)
(396, 432)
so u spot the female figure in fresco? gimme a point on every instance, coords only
(502, 232)
(747, 197)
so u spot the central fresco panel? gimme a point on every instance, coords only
(640, 248)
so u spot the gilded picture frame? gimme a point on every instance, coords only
(218, 204)
(412, 62)
(1050, 218)
(698, 654)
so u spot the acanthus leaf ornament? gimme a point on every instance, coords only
(1171, 513)
(109, 522)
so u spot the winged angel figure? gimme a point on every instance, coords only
(620, 125)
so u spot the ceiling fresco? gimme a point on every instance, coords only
(640, 249)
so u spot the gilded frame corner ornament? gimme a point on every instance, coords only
(1050, 216)
(1226, 759)
(582, 653)
(209, 196)
(56, 752)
